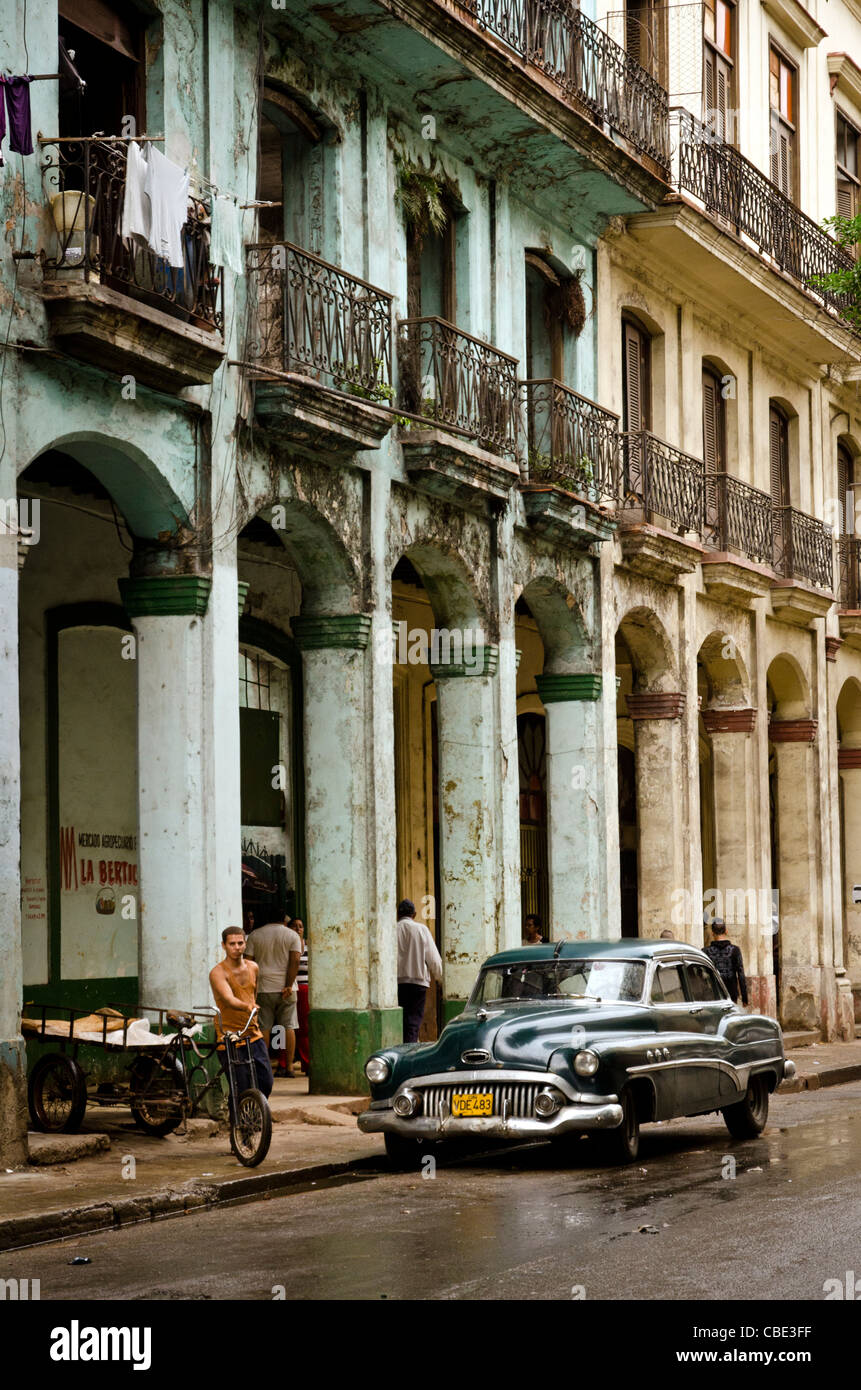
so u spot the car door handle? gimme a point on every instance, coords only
(697, 1010)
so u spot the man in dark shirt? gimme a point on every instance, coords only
(532, 930)
(727, 960)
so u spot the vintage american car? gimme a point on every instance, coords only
(579, 1037)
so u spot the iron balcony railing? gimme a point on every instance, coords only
(803, 548)
(738, 518)
(850, 572)
(660, 484)
(85, 180)
(587, 66)
(571, 442)
(739, 194)
(454, 379)
(313, 319)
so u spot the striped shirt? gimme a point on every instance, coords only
(302, 977)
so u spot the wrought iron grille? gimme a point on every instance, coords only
(455, 379)
(572, 442)
(738, 517)
(803, 548)
(735, 190)
(661, 484)
(850, 572)
(585, 63)
(85, 180)
(313, 319)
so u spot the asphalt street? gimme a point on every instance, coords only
(520, 1225)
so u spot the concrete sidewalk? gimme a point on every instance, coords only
(112, 1175)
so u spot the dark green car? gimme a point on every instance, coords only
(580, 1037)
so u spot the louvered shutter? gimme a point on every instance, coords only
(709, 82)
(777, 458)
(711, 423)
(844, 479)
(636, 41)
(635, 402)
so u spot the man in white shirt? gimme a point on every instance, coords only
(277, 950)
(418, 960)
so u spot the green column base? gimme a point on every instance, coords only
(451, 1008)
(341, 1041)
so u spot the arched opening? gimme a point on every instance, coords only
(648, 752)
(849, 804)
(792, 814)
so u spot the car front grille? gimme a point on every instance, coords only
(519, 1094)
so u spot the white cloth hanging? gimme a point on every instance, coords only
(167, 189)
(135, 222)
(225, 243)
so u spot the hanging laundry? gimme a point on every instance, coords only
(135, 223)
(2, 122)
(167, 189)
(225, 245)
(17, 91)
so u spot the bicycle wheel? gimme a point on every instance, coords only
(156, 1095)
(57, 1094)
(251, 1129)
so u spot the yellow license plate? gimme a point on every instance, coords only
(464, 1106)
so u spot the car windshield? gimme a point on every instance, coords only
(560, 979)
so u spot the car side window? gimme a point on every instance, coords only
(667, 987)
(702, 984)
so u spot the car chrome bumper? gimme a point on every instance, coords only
(570, 1119)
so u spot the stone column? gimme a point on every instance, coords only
(798, 890)
(849, 765)
(660, 809)
(744, 903)
(344, 1027)
(13, 1078)
(175, 737)
(467, 830)
(575, 852)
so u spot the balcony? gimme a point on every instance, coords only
(738, 194)
(849, 592)
(587, 67)
(116, 304)
(739, 527)
(661, 507)
(319, 351)
(572, 458)
(461, 441)
(802, 551)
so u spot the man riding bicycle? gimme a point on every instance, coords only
(234, 986)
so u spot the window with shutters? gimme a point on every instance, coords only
(719, 90)
(714, 422)
(778, 451)
(646, 36)
(845, 488)
(108, 43)
(848, 185)
(783, 101)
(636, 377)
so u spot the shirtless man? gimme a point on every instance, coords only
(234, 985)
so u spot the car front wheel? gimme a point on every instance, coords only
(747, 1118)
(622, 1145)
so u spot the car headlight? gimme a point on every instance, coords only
(377, 1069)
(586, 1062)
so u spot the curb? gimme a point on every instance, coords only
(43, 1229)
(815, 1081)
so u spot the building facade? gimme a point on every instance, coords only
(354, 565)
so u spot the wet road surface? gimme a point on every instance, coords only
(520, 1225)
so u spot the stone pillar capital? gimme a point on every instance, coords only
(556, 688)
(350, 630)
(164, 596)
(832, 647)
(792, 730)
(848, 758)
(484, 662)
(657, 705)
(729, 721)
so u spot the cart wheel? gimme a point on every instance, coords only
(156, 1091)
(251, 1131)
(57, 1094)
